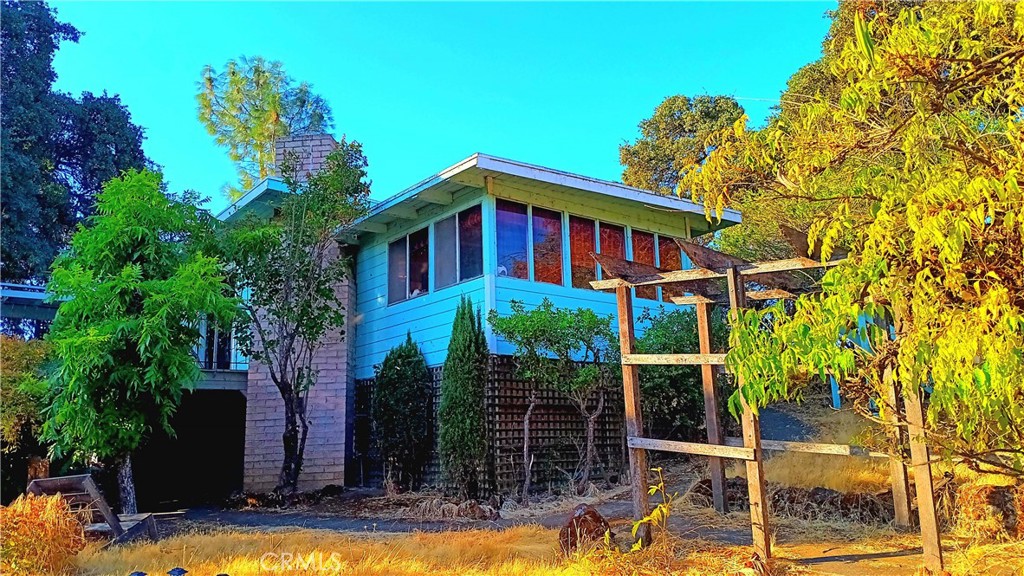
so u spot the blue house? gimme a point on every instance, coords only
(492, 229)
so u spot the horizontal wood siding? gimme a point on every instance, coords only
(532, 293)
(379, 327)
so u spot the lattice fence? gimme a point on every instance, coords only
(557, 435)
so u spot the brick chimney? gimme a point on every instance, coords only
(307, 151)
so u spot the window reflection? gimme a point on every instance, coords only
(512, 240)
(582, 244)
(547, 246)
(643, 252)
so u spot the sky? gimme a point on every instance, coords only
(425, 85)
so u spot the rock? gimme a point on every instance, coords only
(585, 525)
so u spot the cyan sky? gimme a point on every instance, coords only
(425, 85)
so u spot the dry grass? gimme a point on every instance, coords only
(520, 551)
(39, 535)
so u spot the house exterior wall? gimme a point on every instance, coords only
(327, 408)
(378, 326)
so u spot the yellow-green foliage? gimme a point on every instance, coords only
(925, 132)
(39, 535)
(22, 387)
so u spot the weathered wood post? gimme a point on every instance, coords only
(897, 467)
(716, 466)
(634, 418)
(752, 439)
(920, 461)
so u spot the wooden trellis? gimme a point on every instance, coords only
(721, 279)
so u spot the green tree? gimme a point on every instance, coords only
(290, 269)
(24, 386)
(461, 416)
(673, 396)
(568, 350)
(925, 131)
(401, 413)
(56, 150)
(133, 288)
(672, 140)
(250, 104)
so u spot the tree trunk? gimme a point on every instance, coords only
(126, 486)
(591, 449)
(527, 457)
(288, 480)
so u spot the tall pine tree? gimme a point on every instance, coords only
(463, 444)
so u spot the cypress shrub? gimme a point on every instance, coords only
(463, 443)
(401, 413)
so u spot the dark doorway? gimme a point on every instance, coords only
(203, 463)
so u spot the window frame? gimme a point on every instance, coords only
(432, 255)
(429, 227)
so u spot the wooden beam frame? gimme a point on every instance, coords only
(696, 448)
(773, 294)
(811, 448)
(674, 359)
(634, 417)
(750, 447)
(897, 467)
(921, 463)
(757, 489)
(682, 276)
(712, 424)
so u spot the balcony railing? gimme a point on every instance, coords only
(218, 350)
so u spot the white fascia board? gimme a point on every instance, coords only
(595, 185)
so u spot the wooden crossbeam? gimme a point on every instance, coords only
(696, 274)
(697, 448)
(773, 294)
(811, 448)
(673, 359)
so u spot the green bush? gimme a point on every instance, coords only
(672, 397)
(401, 413)
(463, 444)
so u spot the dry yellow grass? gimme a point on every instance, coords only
(39, 535)
(520, 551)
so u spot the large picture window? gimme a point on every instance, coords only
(643, 252)
(512, 227)
(547, 246)
(582, 242)
(458, 249)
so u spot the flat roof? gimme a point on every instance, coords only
(473, 169)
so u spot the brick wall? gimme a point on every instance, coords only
(307, 151)
(327, 407)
